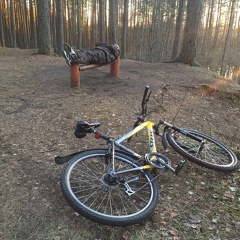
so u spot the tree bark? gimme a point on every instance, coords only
(178, 30)
(2, 35)
(44, 34)
(189, 46)
(32, 25)
(124, 30)
(217, 25)
(238, 32)
(79, 25)
(13, 24)
(59, 26)
(102, 21)
(112, 22)
(222, 71)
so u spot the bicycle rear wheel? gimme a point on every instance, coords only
(208, 153)
(126, 200)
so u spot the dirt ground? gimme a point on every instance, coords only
(38, 112)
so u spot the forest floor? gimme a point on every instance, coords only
(38, 112)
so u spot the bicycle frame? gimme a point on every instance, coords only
(152, 145)
(152, 149)
(150, 157)
(147, 124)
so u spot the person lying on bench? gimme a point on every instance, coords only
(103, 53)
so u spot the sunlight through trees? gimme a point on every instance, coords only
(146, 30)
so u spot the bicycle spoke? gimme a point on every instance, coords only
(207, 152)
(91, 188)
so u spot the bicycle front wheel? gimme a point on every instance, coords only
(126, 199)
(208, 153)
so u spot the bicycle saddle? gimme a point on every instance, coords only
(84, 127)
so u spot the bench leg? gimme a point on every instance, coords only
(75, 75)
(114, 68)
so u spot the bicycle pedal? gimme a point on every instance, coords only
(179, 167)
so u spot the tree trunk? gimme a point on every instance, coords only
(189, 46)
(68, 23)
(22, 26)
(26, 24)
(169, 22)
(53, 16)
(124, 31)
(178, 30)
(32, 25)
(238, 32)
(102, 21)
(217, 27)
(13, 24)
(44, 34)
(222, 71)
(59, 26)
(73, 22)
(112, 22)
(2, 36)
(93, 29)
(79, 25)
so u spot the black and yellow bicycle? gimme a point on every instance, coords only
(117, 186)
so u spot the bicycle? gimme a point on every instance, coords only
(117, 186)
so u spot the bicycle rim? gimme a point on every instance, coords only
(107, 202)
(209, 153)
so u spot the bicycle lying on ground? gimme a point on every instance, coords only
(118, 187)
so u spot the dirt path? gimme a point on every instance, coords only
(38, 112)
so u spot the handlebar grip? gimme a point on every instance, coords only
(145, 92)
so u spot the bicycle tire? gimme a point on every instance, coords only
(213, 154)
(84, 188)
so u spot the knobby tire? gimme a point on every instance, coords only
(85, 189)
(211, 154)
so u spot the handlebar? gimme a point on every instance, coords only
(140, 118)
(145, 92)
(145, 100)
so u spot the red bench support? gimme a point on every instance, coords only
(75, 75)
(76, 69)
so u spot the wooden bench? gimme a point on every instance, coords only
(76, 70)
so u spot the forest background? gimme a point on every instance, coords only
(146, 30)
